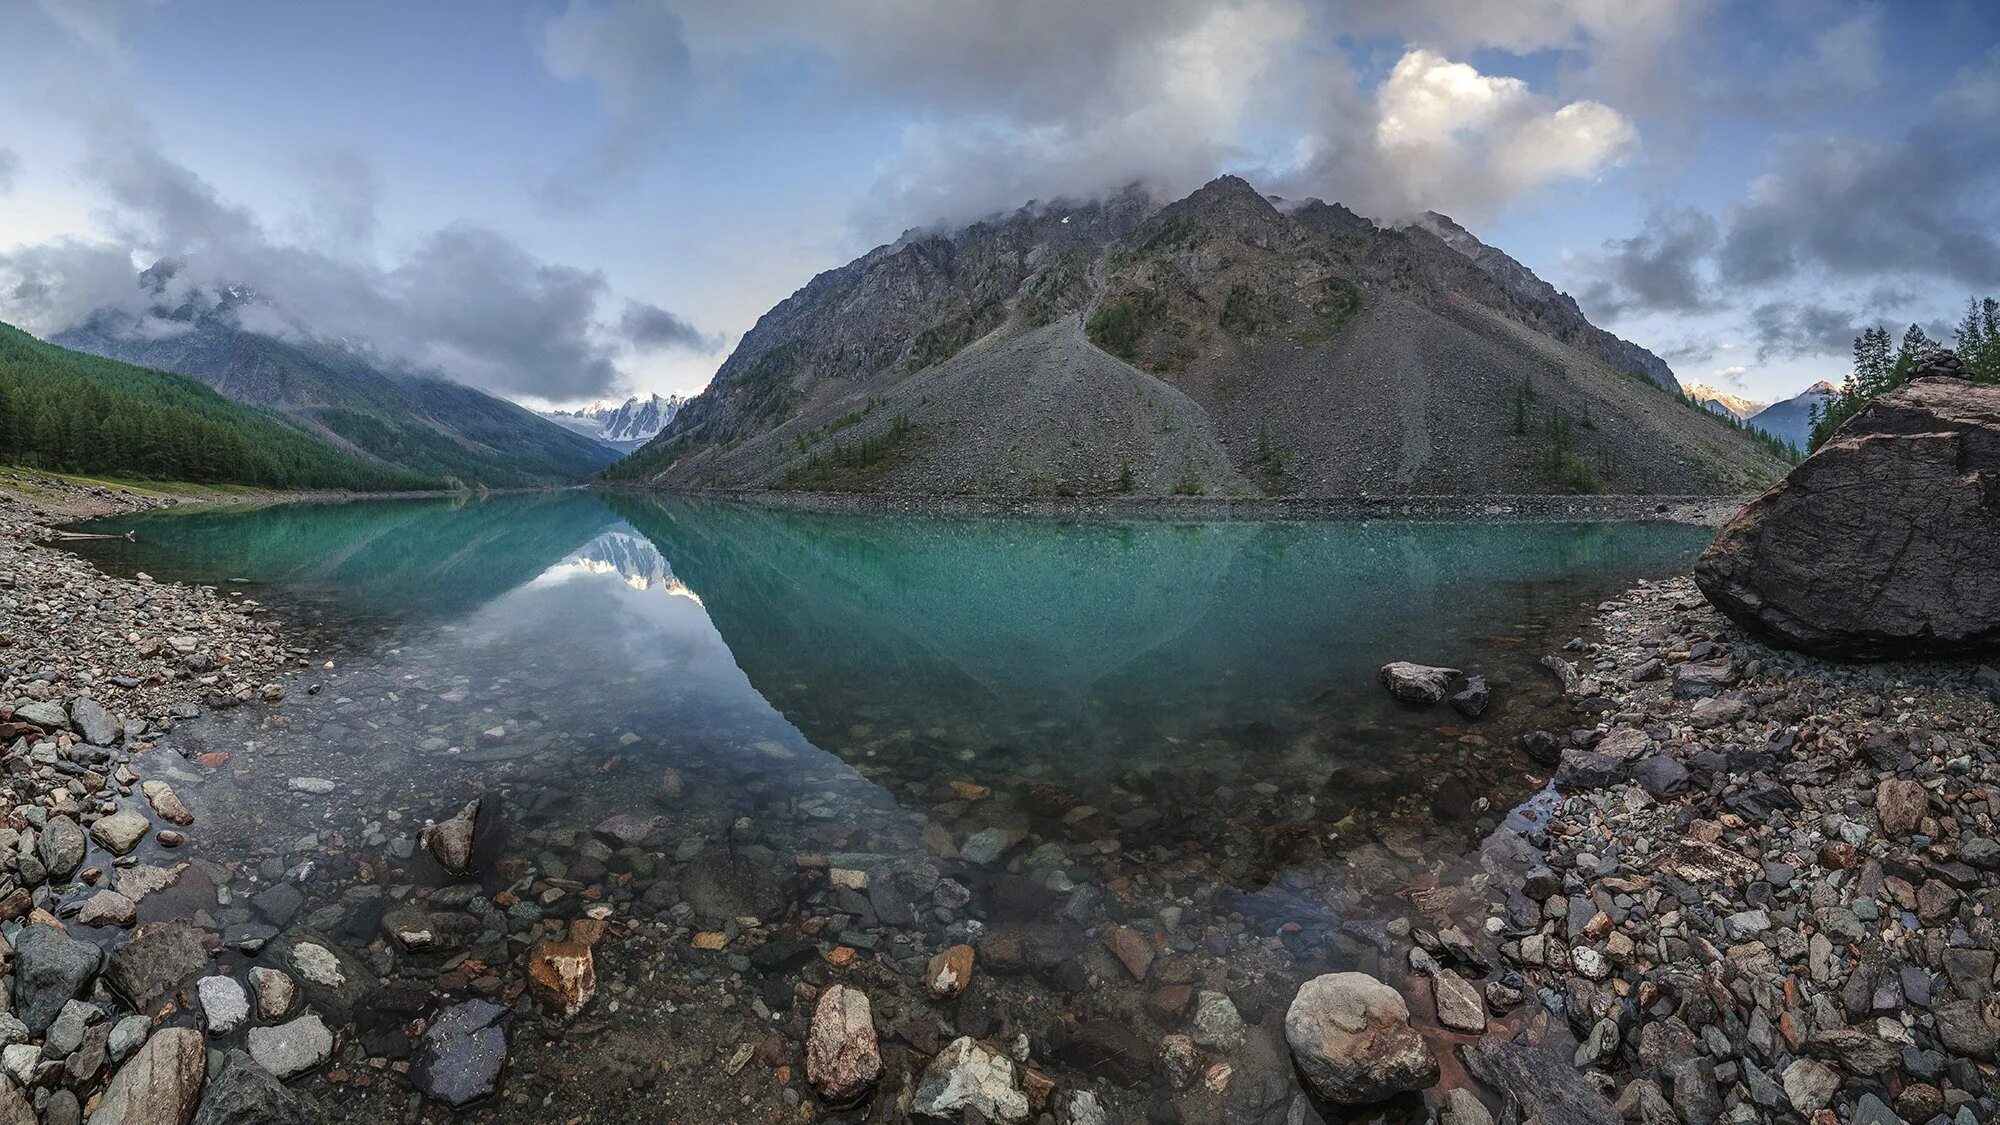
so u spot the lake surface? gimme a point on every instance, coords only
(876, 734)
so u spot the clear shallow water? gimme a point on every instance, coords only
(1172, 725)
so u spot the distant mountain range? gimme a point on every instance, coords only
(1721, 401)
(421, 423)
(622, 426)
(1791, 419)
(1227, 344)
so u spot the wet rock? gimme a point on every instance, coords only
(1417, 683)
(1104, 1048)
(159, 1085)
(61, 847)
(969, 1076)
(563, 976)
(224, 1006)
(450, 842)
(1216, 1023)
(842, 1056)
(1883, 543)
(278, 903)
(1472, 699)
(166, 802)
(120, 832)
(107, 908)
(627, 830)
(291, 1049)
(1458, 1004)
(1133, 951)
(276, 993)
(949, 971)
(722, 884)
(50, 969)
(1587, 769)
(1351, 1037)
(333, 981)
(1546, 1087)
(462, 1054)
(150, 965)
(244, 1093)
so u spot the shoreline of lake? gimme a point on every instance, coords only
(1706, 511)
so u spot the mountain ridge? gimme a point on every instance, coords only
(1790, 419)
(1214, 344)
(417, 422)
(624, 426)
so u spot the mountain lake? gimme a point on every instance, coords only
(1143, 768)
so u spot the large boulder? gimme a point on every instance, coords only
(1351, 1037)
(1885, 544)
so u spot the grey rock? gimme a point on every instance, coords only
(149, 966)
(291, 1049)
(462, 1053)
(61, 847)
(50, 969)
(244, 1093)
(97, 725)
(1417, 683)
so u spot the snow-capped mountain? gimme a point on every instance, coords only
(1791, 419)
(1721, 401)
(623, 426)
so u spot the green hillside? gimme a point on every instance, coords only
(73, 412)
(422, 424)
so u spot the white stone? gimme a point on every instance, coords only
(223, 1003)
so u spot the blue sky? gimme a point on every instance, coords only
(577, 198)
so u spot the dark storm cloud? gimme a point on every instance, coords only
(652, 328)
(1658, 269)
(468, 302)
(1789, 330)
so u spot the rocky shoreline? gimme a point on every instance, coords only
(1769, 891)
(97, 670)
(1762, 890)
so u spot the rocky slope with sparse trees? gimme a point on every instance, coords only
(1224, 344)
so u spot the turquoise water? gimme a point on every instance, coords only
(1178, 718)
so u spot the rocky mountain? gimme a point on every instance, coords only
(1721, 401)
(622, 426)
(1222, 344)
(422, 423)
(1790, 420)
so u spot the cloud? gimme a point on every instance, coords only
(1000, 104)
(1852, 207)
(1791, 330)
(1443, 136)
(1658, 269)
(466, 301)
(633, 53)
(10, 169)
(94, 23)
(651, 328)
(1850, 229)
